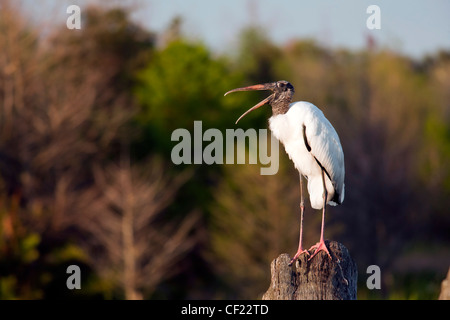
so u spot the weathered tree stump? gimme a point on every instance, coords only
(318, 279)
(445, 288)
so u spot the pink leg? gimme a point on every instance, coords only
(300, 249)
(320, 246)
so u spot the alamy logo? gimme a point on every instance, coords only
(74, 280)
(190, 150)
(74, 20)
(374, 20)
(374, 280)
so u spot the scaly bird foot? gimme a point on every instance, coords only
(319, 246)
(299, 252)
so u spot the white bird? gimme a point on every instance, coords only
(312, 144)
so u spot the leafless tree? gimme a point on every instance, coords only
(139, 248)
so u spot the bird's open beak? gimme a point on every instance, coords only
(266, 86)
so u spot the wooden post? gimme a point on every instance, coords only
(445, 288)
(318, 279)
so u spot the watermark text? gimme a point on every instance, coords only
(228, 149)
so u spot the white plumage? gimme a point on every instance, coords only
(305, 120)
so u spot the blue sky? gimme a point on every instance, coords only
(411, 27)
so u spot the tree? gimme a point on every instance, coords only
(434, 168)
(141, 248)
(257, 56)
(183, 79)
(66, 105)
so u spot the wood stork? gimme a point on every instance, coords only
(312, 144)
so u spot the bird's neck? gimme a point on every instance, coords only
(280, 107)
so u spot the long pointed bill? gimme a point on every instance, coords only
(251, 88)
(266, 100)
(265, 86)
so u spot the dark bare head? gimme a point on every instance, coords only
(279, 100)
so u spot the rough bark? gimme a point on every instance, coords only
(445, 288)
(318, 279)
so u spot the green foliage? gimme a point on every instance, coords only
(437, 132)
(419, 286)
(26, 264)
(185, 79)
